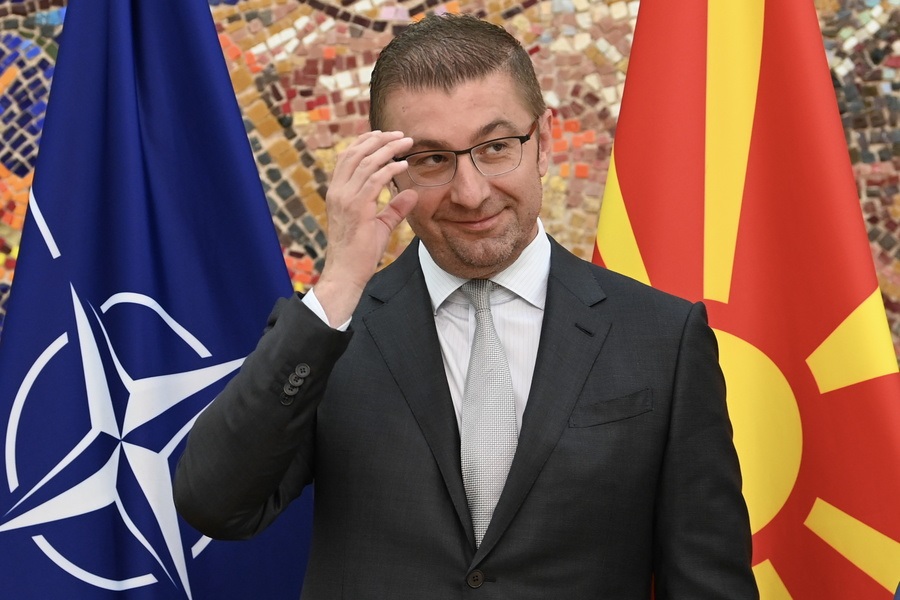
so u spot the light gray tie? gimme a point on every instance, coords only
(489, 436)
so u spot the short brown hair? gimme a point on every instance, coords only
(443, 51)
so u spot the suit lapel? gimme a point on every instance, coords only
(571, 337)
(399, 317)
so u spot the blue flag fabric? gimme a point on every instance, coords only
(148, 266)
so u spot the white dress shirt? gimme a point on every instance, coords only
(517, 308)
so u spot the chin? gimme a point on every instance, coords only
(493, 254)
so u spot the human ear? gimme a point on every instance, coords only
(545, 122)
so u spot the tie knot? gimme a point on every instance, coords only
(478, 291)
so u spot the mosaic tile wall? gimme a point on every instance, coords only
(300, 70)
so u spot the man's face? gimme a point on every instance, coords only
(475, 226)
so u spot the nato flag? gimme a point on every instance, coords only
(147, 268)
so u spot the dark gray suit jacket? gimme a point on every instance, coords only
(625, 476)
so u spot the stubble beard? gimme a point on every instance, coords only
(485, 257)
(491, 254)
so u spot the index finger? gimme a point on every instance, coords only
(369, 154)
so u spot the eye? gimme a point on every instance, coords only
(495, 148)
(428, 160)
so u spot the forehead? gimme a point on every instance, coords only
(459, 115)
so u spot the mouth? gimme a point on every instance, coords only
(479, 223)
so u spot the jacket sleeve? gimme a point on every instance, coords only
(702, 529)
(250, 451)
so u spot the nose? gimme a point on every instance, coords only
(469, 187)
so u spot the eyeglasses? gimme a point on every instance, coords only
(431, 168)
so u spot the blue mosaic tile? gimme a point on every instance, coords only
(23, 103)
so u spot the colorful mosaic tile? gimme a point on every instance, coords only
(28, 32)
(301, 68)
(862, 40)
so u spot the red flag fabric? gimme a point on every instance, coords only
(730, 183)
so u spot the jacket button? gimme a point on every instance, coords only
(295, 380)
(287, 393)
(302, 370)
(475, 579)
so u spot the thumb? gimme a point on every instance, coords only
(397, 209)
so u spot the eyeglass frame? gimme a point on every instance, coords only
(522, 140)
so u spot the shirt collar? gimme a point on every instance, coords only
(526, 277)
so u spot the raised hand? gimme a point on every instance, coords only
(358, 232)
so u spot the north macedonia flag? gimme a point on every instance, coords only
(731, 183)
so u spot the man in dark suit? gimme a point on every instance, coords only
(620, 475)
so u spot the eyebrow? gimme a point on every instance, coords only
(483, 133)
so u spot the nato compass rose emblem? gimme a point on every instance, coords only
(104, 500)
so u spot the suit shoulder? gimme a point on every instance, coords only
(614, 287)
(614, 281)
(639, 307)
